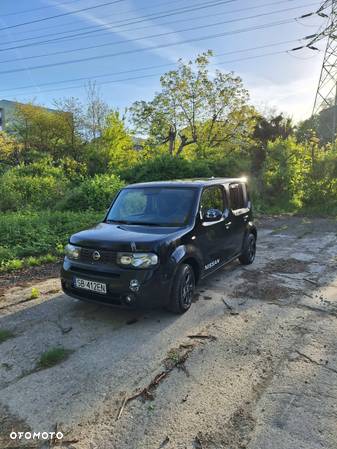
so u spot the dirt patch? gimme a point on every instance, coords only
(287, 266)
(10, 423)
(236, 436)
(265, 291)
(25, 276)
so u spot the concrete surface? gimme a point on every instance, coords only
(264, 375)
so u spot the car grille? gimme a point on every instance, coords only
(107, 257)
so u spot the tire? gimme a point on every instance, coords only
(249, 250)
(182, 290)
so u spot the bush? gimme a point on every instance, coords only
(26, 234)
(37, 185)
(94, 193)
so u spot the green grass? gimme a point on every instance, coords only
(53, 356)
(30, 239)
(5, 334)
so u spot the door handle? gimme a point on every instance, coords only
(228, 224)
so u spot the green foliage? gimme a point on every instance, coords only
(195, 108)
(283, 174)
(53, 356)
(39, 184)
(166, 167)
(94, 193)
(35, 293)
(26, 234)
(5, 334)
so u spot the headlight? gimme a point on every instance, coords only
(72, 252)
(137, 260)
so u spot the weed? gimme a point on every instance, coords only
(32, 261)
(5, 334)
(35, 293)
(53, 356)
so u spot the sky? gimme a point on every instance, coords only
(50, 49)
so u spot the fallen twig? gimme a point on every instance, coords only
(229, 307)
(121, 408)
(204, 337)
(311, 281)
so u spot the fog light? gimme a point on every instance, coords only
(134, 285)
(128, 299)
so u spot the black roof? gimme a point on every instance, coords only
(200, 182)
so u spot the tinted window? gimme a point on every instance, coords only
(153, 206)
(212, 198)
(237, 195)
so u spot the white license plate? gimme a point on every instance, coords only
(97, 287)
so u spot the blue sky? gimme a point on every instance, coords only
(150, 35)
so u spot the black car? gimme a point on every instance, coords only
(158, 240)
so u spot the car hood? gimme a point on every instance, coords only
(120, 237)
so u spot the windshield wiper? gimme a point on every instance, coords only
(118, 221)
(144, 223)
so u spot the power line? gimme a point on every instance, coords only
(104, 28)
(124, 12)
(111, 55)
(152, 75)
(139, 69)
(38, 9)
(171, 13)
(108, 44)
(17, 25)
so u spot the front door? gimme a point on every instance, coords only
(211, 235)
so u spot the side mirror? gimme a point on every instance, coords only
(212, 215)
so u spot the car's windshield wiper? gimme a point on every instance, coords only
(145, 223)
(118, 221)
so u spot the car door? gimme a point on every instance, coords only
(239, 214)
(211, 235)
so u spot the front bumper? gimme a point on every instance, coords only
(154, 289)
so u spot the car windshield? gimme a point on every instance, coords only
(153, 206)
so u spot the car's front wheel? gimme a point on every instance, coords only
(249, 250)
(182, 290)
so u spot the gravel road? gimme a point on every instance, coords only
(252, 365)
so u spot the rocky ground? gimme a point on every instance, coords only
(252, 365)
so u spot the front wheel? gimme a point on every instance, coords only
(182, 290)
(249, 249)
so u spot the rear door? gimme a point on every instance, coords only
(239, 214)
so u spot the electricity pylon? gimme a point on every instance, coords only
(326, 95)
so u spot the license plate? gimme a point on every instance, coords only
(97, 287)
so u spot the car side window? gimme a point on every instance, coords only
(212, 198)
(238, 196)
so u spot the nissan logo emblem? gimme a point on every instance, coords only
(96, 255)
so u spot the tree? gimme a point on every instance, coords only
(10, 150)
(41, 130)
(193, 107)
(268, 129)
(114, 148)
(74, 122)
(319, 125)
(97, 112)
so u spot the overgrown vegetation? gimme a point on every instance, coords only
(59, 170)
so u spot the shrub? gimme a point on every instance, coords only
(25, 234)
(94, 193)
(36, 185)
